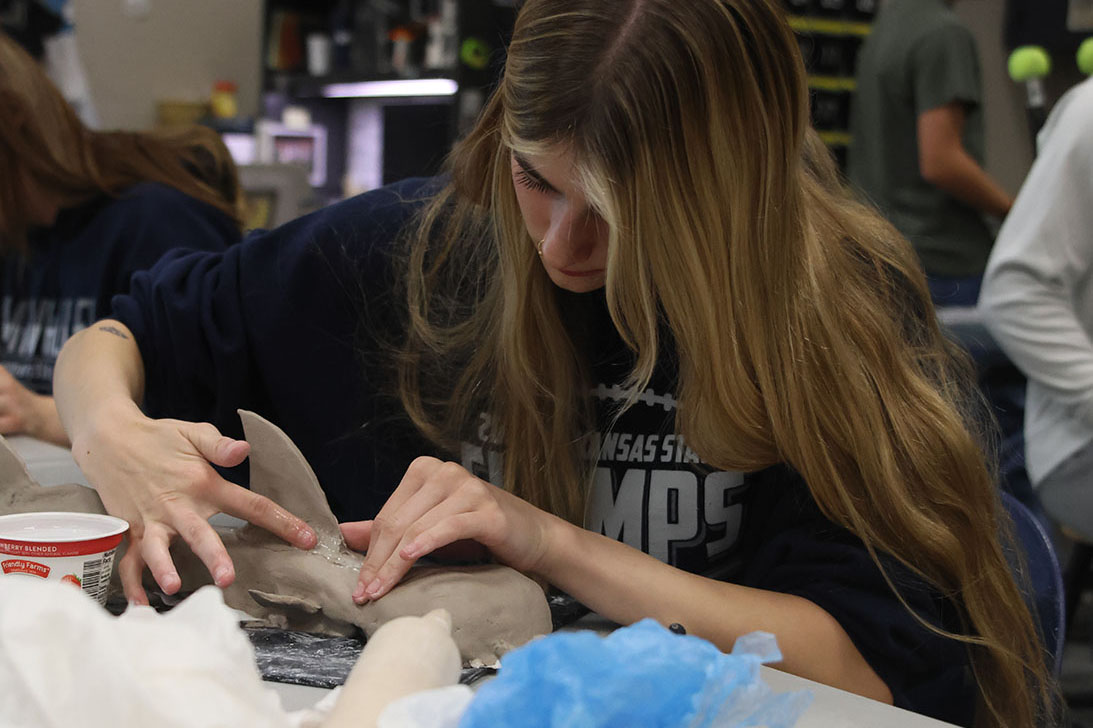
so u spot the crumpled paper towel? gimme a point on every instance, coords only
(64, 661)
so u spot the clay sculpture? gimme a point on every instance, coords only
(493, 608)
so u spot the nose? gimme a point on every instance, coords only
(574, 236)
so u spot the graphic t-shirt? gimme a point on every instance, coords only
(649, 489)
(759, 529)
(652, 492)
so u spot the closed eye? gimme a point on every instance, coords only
(532, 183)
(532, 180)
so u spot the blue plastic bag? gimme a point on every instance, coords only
(639, 676)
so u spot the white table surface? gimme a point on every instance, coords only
(47, 463)
(297, 697)
(831, 707)
(834, 708)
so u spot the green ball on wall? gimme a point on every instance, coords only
(1085, 57)
(475, 52)
(1029, 62)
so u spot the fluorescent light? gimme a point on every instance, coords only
(387, 89)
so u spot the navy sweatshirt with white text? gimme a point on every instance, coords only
(73, 269)
(289, 324)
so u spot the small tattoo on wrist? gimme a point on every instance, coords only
(113, 330)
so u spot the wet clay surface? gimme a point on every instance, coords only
(494, 608)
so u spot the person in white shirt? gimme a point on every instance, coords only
(1037, 301)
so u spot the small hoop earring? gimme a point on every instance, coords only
(539, 247)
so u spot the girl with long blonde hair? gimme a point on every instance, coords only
(80, 211)
(706, 385)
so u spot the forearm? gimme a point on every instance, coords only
(962, 177)
(626, 585)
(46, 423)
(98, 371)
(1034, 321)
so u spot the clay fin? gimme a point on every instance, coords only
(284, 602)
(279, 471)
(13, 471)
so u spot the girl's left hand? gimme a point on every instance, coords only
(438, 504)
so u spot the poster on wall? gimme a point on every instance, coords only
(1079, 17)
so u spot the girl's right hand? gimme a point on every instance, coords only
(156, 474)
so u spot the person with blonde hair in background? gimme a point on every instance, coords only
(80, 212)
(664, 360)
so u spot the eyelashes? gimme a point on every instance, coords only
(526, 180)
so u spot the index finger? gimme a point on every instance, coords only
(405, 506)
(411, 483)
(261, 511)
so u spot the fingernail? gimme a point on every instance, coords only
(358, 594)
(373, 588)
(308, 538)
(171, 583)
(222, 575)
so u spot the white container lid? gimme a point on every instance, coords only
(59, 527)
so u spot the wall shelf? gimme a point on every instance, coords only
(836, 138)
(827, 26)
(830, 34)
(398, 82)
(833, 83)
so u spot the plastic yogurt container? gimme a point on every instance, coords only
(77, 548)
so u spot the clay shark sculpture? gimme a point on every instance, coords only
(494, 608)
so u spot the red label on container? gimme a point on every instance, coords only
(63, 548)
(21, 566)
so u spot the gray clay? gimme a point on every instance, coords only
(494, 608)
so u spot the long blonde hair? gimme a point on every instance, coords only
(42, 139)
(801, 321)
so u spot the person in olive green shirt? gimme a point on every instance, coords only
(917, 149)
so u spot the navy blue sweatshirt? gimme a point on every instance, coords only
(75, 267)
(292, 324)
